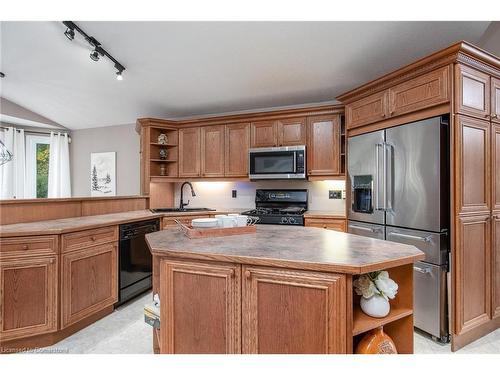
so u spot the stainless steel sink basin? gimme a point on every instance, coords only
(186, 209)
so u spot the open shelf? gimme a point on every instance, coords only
(163, 145)
(363, 323)
(163, 160)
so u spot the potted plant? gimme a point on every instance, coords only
(375, 289)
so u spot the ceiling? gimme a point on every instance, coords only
(182, 69)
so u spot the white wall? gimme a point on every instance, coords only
(218, 194)
(122, 139)
(490, 41)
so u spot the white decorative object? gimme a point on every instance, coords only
(162, 139)
(103, 174)
(204, 223)
(375, 289)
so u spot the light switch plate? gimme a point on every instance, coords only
(334, 194)
(234, 193)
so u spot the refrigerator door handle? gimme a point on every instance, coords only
(421, 270)
(388, 177)
(362, 228)
(384, 160)
(377, 173)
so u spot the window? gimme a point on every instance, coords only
(37, 165)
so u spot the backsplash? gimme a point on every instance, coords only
(218, 194)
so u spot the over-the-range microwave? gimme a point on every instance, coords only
(277, 163)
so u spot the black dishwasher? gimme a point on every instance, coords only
(135, 259)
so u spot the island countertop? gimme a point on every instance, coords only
(305, 248)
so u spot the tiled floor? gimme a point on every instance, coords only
(124, 331)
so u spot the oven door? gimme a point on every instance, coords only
(277, 163)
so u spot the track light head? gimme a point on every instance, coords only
(70, 33)
(119, 76)
(94, 55)
(2, 75)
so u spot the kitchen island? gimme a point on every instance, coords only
(280, 290)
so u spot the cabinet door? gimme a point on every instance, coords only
(212, 151)
(495, 99)
(495, 259)
(200, 308)
(472, 278)
(189, 152)
(473, 92)
(89, 282)
(421, 92)
(473, 164)
(292, 132)
(293, 312)
(264, 134)
(323, 154)
(28, 297)
(368, 110)
(495, 167)
(237, 143)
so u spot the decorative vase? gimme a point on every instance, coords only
(376, 306)
(163, 170)
(163, 153)
(376, 342)
(162, 139)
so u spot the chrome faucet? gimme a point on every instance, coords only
(182, 204)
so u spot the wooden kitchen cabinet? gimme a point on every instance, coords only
(472, 153)
(292, 132)
(237, 143)
(201, 307)
(295, 312)
(420, 92)
(473, 92)
(29, 298)
(495, 167)
(495, 99)
(264, 133)
(495, 262)
(324, 147)
(368, 110)
(473, 280)
(212, 151)
(189, 152)
(333, 224)
(89, 282)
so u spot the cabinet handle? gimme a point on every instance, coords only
(494, 116)
(487, 116)
(51, 261)
(248, 274)
(495, 217)
(383, 115)
(93, 238)
(25, 247)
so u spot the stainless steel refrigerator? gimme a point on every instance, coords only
(399, 191)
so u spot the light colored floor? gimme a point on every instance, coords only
(124, 331)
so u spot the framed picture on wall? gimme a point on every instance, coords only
(102, 174)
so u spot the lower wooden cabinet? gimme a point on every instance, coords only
(89, 282)
(293, 312)
(201, 308)
(495, 242)
(29, 302)
(333, 224)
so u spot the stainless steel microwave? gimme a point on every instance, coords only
(277, 163)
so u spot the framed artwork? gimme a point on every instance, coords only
(102, 174)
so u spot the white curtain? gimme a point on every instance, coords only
(13, 173)
(59, 175)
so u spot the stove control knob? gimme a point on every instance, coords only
(292, 221)
(284, 220)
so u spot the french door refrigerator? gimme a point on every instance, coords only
(399, 184)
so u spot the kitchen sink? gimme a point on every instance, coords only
(190, 209)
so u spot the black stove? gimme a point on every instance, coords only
(285, 206)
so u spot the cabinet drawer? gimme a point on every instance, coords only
(29, 246)
(333, 224)
(170, 221)
(87, 238)
(421, 92)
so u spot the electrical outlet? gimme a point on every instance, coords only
(334, 194)
(234, 193)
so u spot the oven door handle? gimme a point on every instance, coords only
(295, 162)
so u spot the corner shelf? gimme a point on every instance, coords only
(363, 323)
(163, 145)
(164, 160)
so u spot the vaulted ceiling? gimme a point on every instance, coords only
(182, 69)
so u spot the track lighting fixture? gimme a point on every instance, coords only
(97, 52)
(2, 75)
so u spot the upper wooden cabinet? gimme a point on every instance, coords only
(473, 92)
(472, 153)
(495, 99)
(421, 92)
(29, 297)
(292, 312)
(292, 132)
(189, 152)
(201, 308)
(237, 143)
(324, 148)
(368, 110)
(212, 151)
(264, 133)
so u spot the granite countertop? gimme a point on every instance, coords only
(324, 214)
(71, 224)
(292, 247)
